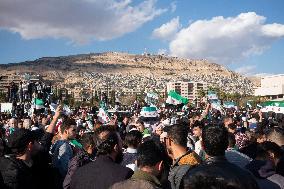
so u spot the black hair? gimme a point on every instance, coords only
(261, 154)
(102, 129)
(149, 154)
(140, 121)
(105, 144)
(87, 140)
(232, 126)
(259, 133)
(272, 147)
(215, 140)
(231, 140)
(130, 127)
(179, 134)
(66, 124)
(79, 128)
(199, 124)
(18, 141)
(255, 115)
(133, 139)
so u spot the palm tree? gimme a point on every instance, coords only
(222, 95)
(201, 93)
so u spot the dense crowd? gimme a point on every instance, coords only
(26, 90)
(200, 148)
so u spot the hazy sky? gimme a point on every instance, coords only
(245, 35)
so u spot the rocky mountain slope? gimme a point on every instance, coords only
(122, 70)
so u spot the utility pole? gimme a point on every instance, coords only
(92, 95)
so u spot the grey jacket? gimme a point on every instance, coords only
(139, 180)
(237, 158)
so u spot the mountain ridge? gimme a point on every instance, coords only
(156, 66)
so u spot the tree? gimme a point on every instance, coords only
(201, 93)
(223, 95)
(140, 97)
(112, 97)
(127, 100)
(96, 97)
(2, 97)
(70, 100)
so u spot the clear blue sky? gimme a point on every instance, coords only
(251, 44)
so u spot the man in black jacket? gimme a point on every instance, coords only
(215, 143)
(26, 166)
(16, 168)
(105, 170)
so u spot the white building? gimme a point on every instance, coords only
(272, 87)
(188, 90)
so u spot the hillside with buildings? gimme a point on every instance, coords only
(128, 73)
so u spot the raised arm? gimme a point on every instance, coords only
(205, 112)
(51, 127)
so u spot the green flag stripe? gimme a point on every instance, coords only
(274, 103)
(178, 97)
(149, 109)
(38, 101)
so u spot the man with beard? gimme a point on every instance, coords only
(62, 151)
(105, 170)
(183, 158)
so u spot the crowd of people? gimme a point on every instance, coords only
(22, 96)
(25, 91)
(200, 148)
